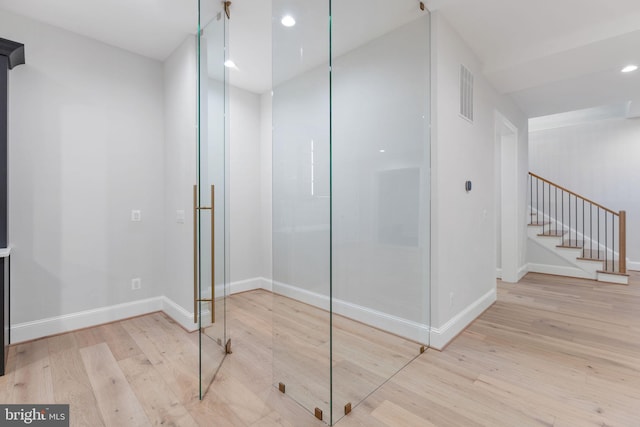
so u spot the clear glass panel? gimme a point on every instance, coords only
(380, 192)
(301, 233)
(351, 191)
(212, 194)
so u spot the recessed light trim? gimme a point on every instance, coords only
(629, 68)
(288, 21)
(230, 64)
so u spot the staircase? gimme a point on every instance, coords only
(587, 235)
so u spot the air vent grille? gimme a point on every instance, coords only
(466, 93)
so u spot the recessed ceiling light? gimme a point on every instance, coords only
(230, 64)
(629, 68)
(382, 151)
(288, 21)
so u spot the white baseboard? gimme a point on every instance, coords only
(183, 317)
(558, 270)
(522, 271)
(441, 336)
(250, 285)
(396, 325)
(633, 265)
(59, 324)
(613, 278)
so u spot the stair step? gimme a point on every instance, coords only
(572, 243)
(540, 223)
(612, 267)
(593, 254)
(553, 233)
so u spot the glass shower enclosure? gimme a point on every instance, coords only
(211, 193)
(351, 191)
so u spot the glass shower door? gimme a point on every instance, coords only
(351, 197)
(301, 209)
(380, 172)
(211, 201)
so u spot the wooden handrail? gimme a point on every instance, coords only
(574, 194)
(622, 223)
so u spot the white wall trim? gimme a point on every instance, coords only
(250, 285)
(633, 265)
(396, 325)
(83, 319)
(59, 324)
(613, 278)
(183, 317)
(522, 271)
(441, 336)
(558, 270)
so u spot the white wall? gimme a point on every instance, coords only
(265, 183)
(246, 184)
(95, 132)
(463, 271)
(246, 221)
(599, 160)
(179, 177)
(86, 147)
(380, 215)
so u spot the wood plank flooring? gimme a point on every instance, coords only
(552, 351)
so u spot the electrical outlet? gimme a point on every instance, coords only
(136, 283)
(136, 215)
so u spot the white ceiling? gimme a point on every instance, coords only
(550, 55)
(553, 55)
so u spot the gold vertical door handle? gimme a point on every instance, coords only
(195, 254)
(213, 255)
(196, 298)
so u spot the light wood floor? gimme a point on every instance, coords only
(552, 351)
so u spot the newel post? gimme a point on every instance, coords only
(622, 229)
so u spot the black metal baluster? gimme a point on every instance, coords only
(598, 246)
(556, 214)
(537, 201)
(569, 205)
(549, 208)
(562, 222)
(606, 242)
(591, 227)
(576, 230)
(531, 198)
(543, 205)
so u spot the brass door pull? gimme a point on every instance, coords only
(196, 300)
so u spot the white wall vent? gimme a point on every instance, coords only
(466, 93)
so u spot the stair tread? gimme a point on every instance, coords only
(617, 273)
(611, 267)
(553, 233)
(594, 254)
(572, 243)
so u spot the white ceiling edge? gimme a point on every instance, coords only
(573, 118)
(608, 55)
